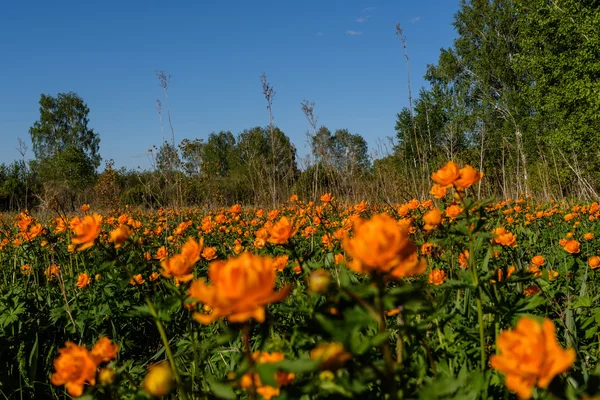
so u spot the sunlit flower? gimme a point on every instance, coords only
(326, 198)
(453, 211)
(572, 246)
(104, 350)
(52, 271)
(538, 260)
(380, 245)
(83, 280)
(119, 235)
(209, 253)
(161, 253)
(87, 231)
(137, 280)
(432, 219)
(530, 356)
(468, 176)
(74, 367)
(447, 174)
(282, 231)
(280, 262)
(241, 288)
(594, 262)
(181, 265)
(437, 277)
(504, 238)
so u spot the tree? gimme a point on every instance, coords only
(347, 152)
(559, 59)
(167, 159)
(63, 124)
(192, 153)
(66, 150)
(265, 156)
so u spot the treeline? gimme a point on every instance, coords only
(516, 96)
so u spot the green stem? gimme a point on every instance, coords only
(165, 340)
(479, 306)
(385, 346)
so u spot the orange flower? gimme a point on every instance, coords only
(427, 248)
(83, 280)
(447, 174)
(331, 355)
(326, 198)
(509, 272)
(161, 253)
(104, 350)
(381, 245)
(52, 271)
(26, 269)
(241, 287)
(552, 274)
(252, 379)
(75, 366)
(209, 253)
(438, 191)
(282, 231)
(432, 219)
(180, 266)
(531, 290)
(280, 262)
(594, 262)
(572, 246)
(504, 238)
(468, 177)
(588, 236)
(530, 355)
(535, 270)
(85, 208)
(87, 231)
(538, 260)
(437, 277)
(453, 211)
(120, 235)
(463, 259)
(137, 280)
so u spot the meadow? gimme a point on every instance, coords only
(448, 297)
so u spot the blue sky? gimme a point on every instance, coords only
(342, 54)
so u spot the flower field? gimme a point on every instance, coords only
(450, 297)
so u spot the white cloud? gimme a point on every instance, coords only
(362, 19)
(353, 33)
(364, 10)
(414, 20)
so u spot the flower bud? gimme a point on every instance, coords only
(159, 380)
(319, 281)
